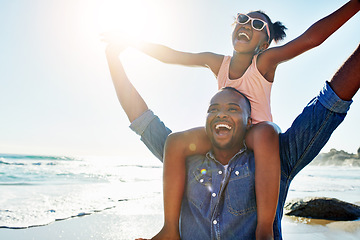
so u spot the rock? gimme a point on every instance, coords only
(323, 208)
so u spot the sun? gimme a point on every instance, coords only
(124, 16)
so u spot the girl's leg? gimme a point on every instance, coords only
(263, 139)
(178, 147)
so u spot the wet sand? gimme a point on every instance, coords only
(143, 218)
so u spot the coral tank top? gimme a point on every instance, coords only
(253, 85)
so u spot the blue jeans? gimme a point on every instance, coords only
(298, 147)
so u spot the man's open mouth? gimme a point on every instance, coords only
(222, 128)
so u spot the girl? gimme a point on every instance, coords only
(251, 70)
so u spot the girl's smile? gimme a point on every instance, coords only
(247, 39)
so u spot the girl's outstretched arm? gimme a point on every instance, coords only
(171, 56)
(164, 53)
(312, 37)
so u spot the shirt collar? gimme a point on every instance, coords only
(210, 154)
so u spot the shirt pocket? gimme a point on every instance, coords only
(240, 191)
(199, 187)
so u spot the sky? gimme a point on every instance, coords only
(57, 97)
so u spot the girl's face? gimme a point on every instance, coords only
(246, 39)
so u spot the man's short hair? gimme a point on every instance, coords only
(246, 98)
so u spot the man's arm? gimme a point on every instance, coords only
(311, 130)
(129, 98)
(346, 81)
(143, 121)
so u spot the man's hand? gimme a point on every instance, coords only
(355, 1)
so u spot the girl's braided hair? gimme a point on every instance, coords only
(277, 29)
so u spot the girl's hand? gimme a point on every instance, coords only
(120, 38)
(116, 43)
(113, 50)
(114, 37)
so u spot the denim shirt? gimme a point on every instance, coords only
(214, 198)
(221, 204)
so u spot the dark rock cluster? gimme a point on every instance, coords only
(323, 208)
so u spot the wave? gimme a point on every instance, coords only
(8, 163)
(56, 219)
(81, 214)
(139, 166)
(5, 156)
(17, 184)
(2, 161)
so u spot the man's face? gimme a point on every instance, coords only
(227, 120)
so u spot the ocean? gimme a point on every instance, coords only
(38, 190)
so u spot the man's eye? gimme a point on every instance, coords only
(212, 110)
(232, 110)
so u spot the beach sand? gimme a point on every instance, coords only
(128, 220)
(143, 218)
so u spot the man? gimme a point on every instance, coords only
(219, 199)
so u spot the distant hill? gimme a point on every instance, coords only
(337, 158)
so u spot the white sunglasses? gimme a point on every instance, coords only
(256, 23)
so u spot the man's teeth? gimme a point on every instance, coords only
(244, 34)
(223, 126)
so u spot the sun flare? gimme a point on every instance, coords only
(125, 17)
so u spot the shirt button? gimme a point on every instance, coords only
(220, 172)
(214, 222)
(237, 173)
(214, 194)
